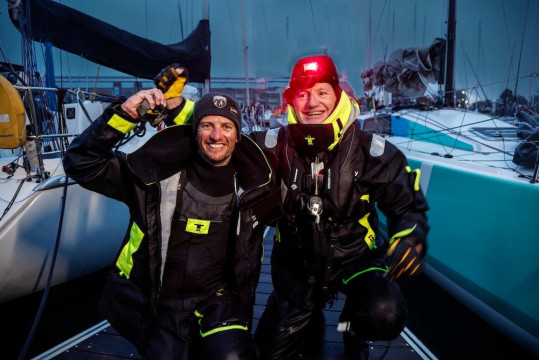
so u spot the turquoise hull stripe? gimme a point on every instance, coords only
(484, 238)
(412, 130)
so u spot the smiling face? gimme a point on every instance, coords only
(315, 104)
(216, 137)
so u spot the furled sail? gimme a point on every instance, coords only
(408, 71)
(107, 45)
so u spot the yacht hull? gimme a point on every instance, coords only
(92, 230)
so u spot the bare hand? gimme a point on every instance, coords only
(153, 96)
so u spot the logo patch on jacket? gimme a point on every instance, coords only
(197, 226)
(310, 140)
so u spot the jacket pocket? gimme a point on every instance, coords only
(221, 312)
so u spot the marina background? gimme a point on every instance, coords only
(496, 39)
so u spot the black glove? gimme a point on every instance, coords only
(170, 82)
(404, 259)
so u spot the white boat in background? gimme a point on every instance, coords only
(483, 211)
(31, 210)
(483, 200)
(32, 181)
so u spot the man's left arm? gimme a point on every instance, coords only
(403, 202)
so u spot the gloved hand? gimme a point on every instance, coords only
(153, 98)
(404, 258)
(171, 80)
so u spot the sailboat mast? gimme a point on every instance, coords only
(245, 63)
(450, 54)
(206, 16)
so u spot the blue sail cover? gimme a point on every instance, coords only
(107, 45)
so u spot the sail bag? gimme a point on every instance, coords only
(12, 116)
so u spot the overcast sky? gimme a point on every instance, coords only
(356, 33)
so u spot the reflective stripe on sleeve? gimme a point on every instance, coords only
(185, 114)
(121, 124)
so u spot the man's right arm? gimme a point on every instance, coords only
(90, 159)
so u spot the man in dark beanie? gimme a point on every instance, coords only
(183, 283)
(333, 177)
(219, 105)
(217, 122)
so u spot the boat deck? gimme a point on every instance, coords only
(103, 342)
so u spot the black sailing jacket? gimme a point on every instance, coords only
(362, 173)
(142, 180)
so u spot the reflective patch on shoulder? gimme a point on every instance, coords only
(378, 145)
(271, 138)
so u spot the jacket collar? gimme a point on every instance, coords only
(167, 152)
(344, 114)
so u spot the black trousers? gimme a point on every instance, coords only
(374, 309)
(219, 331)
(226, 345)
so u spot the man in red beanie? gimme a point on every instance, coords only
(333, 178)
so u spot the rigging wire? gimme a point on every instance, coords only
(314, 22)
(475, 75)
(45, 295)
(534, 59)
(380, 18)
(481, 60)
(233, 30)
(181, 20)
(457, 129)
(329, 23)
(4, 56)
(228, 77)
(12, 70)
(415, 21)
(424, 30)
(465, 72)
(266, 26)
(521, 46)
(369, 37)
(347, 22)
(393, 31)
(510, 48)
(12, 201)
(388, 31)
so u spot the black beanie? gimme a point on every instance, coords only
(217, 104)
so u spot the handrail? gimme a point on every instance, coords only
(34, 88)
